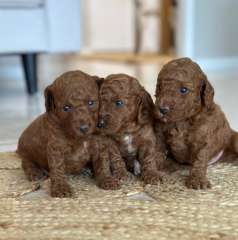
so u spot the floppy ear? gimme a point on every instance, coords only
(146, 107)
(207, 92)
(49, 99)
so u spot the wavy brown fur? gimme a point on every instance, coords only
(130, 125)
(195, 128)
(56, 142)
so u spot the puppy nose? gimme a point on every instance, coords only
(83, 128)
(164, 110)
(101, 123)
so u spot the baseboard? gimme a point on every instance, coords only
(218, 64)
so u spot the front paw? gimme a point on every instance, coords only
(61, 190)
(109, 183)
(124, 176)
(35, 174)
(152, 177)
(194, 182)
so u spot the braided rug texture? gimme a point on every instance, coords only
(167, 211)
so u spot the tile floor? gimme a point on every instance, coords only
(18, 110)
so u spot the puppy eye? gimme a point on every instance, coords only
(67, 108)
(119, 103)
(184, 90)
(90, 103)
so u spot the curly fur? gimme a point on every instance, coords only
(57, 141)
(131, 124)
(195, 129)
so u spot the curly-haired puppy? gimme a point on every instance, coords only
(61, 140)
(126, 115)
(195, 129)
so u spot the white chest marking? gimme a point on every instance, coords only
(128, 142)
(85, 145)
(128, 139)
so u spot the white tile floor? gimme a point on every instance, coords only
(17, 110)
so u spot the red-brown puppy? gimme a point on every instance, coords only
(61, 140)
(126, 115)
(195, 129)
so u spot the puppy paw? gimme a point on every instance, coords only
(61, 190)
(152, 177)
(124, 176)
(198, 183)
(109, 183)
(35, 174)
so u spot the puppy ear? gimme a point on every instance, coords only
(99, 80)
(207, 92)
(49, 99)
(146, 107)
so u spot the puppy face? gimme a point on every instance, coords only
(72, 100)
(182, 90)
(123, 102)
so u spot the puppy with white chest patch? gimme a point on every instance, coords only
(63, 140)
(126, 115)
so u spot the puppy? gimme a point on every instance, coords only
(126, 115)
(61, 140)
(195, 129)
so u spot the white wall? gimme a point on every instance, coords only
(11, 73)
(150, 24)
(216, 29)
(108, 25)
(207, 31)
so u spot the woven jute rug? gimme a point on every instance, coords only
(166, 211)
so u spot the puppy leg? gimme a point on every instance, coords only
(118, 165)
(149, 170)
(102, 170)
(198, 173)
(59, 186)
(32, 171)
(165, 162)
